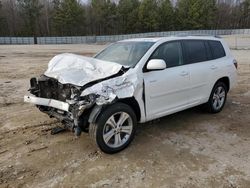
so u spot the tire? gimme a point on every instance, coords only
(217, 98)
(114, 128)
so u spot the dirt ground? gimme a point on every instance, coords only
(187, 149)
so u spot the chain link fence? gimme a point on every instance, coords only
(237, 38)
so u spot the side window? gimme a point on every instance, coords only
(170, 52)
(217, 49)
(208, 50)
(196, 51)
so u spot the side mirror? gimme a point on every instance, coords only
(156, 64)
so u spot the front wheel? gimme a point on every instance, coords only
(217, 98)
(115, 128)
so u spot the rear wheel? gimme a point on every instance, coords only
(115, 128)
(217, 98)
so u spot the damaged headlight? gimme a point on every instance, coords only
(75, 93)
(103, 95)
(79, 104)
(80, 100)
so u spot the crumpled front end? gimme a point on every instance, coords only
(70, 92)
(71, 104)
(61, 101)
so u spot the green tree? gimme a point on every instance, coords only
(110, 18)
(189, 14)
(1, 6)
(167, 15)
(196, 14)
(103, 17)
(30, 11)
(69, 17)
(128, 15)
(97, 16)
(208, 14)
(148, 16)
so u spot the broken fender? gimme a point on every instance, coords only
(124, 86)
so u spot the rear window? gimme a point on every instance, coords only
(217, 49)
(196, 51)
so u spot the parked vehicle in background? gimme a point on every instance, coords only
(131, 81)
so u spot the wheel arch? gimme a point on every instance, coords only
(128, 101)
(225, 80)
(133, 104)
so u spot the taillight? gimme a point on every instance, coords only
(235, 64)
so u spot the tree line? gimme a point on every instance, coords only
(106, 17)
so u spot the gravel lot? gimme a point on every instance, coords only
(187, 149)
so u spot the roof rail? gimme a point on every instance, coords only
(188, 34)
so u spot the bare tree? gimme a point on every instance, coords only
(10, 12)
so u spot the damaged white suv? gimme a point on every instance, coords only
(132, 81)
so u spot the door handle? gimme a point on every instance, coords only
(152, 81)
(184, 73)
(213, 67)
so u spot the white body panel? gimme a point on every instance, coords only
(158, 93)
(166, 90)
(185, 86)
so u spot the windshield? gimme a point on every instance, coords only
(125, 53)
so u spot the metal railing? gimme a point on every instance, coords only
(113, 38)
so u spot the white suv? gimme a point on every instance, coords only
(132, 81)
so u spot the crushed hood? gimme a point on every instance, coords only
(80, 70)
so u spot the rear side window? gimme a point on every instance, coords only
(195, 51)
(217, 49)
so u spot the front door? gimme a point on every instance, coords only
(167, 91)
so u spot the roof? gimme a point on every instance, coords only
(156, 39)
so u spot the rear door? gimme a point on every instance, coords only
(198, 57)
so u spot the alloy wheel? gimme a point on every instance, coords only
(117, 129)
(219, 97)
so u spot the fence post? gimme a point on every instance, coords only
(35, 39)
